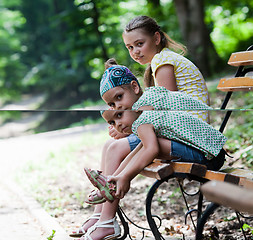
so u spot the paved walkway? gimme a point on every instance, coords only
(23, 217)
(15, 220)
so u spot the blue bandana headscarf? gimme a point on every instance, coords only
(114, 76)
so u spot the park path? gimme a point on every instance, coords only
(15, 220)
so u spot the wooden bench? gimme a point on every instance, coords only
(244, 58)
(162, 170)
(238, 83)
(229, 195)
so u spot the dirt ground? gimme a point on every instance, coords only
(169, 204)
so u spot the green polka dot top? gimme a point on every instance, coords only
(171, 120)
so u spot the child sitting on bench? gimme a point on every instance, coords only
(192, 139)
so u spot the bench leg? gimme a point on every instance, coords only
(150, 217)
(124, 223)
(241, 225)
(202, 220)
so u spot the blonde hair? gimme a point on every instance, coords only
(150, 26)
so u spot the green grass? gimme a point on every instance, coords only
(88, 121)
(88, 103)
(6, 116)
(51, 237)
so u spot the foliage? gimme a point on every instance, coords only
(51, 237)
(56, 45)
(246, 227)
(9, 115)
(59, 47)
(88, 103)
(232, 25)
(239, 129)
(11, 48)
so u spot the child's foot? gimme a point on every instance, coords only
(106, 230)
(86, 225)
(106, 188)
(95, 197)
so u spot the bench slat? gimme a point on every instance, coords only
(191, 168)
(230, 177)
(160, 170)
(157, 170)
(229, 195)
(238, 172)
(244, 58)
(236, 84)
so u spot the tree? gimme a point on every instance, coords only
(196, 35)
(11, 65)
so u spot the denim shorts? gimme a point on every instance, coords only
(133, 141)
(186, 153)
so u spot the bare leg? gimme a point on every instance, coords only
(128, 158)
(164, 153)
(165, 148)
(113, 153)
(108, 212)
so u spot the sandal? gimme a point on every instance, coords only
(112, 223)
(80, 232)
(106, 188)
(96, 198)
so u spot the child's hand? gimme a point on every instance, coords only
(115, 134)
(123, 186)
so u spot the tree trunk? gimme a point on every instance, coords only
(195, 33)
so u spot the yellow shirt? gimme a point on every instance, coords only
(188, 77)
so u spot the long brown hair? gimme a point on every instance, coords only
(150, 26)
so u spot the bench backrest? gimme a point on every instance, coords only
(240, 82)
